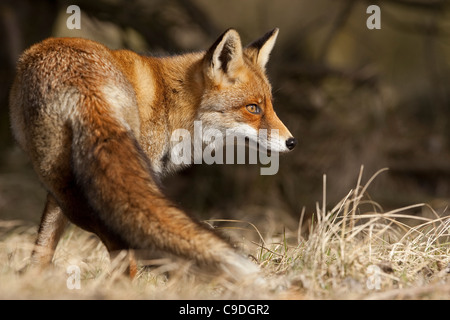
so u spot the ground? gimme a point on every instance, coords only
(352, 250)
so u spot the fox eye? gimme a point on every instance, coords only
(253, 108)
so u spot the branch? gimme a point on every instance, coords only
(199, 17)
(317, 72)
(425, 28)
(339, 22)
(420, 4)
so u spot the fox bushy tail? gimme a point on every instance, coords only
(118, 182)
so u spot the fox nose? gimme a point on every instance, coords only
(291, 143)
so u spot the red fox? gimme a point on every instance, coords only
(96, 124)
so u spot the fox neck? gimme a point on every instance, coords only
(179, 86)
(183, 87)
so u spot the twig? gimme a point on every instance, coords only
(340, 21)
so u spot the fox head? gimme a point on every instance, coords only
(237, 98)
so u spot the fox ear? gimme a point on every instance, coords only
(259, 50)
(224, 56)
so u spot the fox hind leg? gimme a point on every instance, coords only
(53, 223)
(51, 228)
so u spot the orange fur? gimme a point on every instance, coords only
(96, 124)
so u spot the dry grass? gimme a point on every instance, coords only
(352, 251)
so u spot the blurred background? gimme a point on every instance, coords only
(352, 96)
